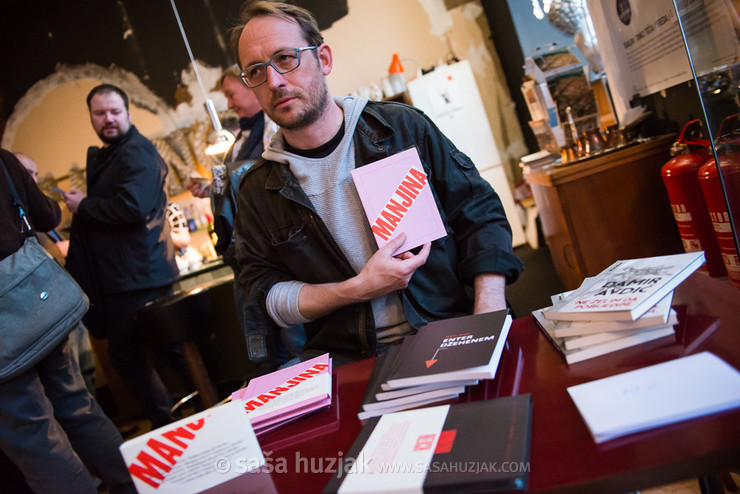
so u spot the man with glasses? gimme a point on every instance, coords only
(305, 251)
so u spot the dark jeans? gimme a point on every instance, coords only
(82, 352)
(129, 355)
(50, 425)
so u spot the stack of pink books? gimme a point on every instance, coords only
(287, 394)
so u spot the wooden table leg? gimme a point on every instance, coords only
(199, 373)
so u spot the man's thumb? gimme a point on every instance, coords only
(396, 242)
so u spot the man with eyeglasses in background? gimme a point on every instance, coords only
(255, 132)
(305, 251)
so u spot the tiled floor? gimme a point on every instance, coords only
(536, 283)
(689, 487)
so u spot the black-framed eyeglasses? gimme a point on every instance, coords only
(283, 62)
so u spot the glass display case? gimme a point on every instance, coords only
(710, 31)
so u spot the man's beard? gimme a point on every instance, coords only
(111, 139)
(306, 116)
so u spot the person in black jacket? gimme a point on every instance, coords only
(255, 133)
(49, 423)
(120, 248)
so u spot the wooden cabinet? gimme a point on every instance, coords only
(609, 207)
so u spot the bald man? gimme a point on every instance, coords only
(30, 166)
(51, 241)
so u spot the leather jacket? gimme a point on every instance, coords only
(280, 237)
(120, 238)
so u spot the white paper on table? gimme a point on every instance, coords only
(661, 394)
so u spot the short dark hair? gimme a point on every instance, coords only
(107, 88)
(259, 8)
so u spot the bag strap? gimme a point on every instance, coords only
(18, 203)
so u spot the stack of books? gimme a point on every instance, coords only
(437, 363)
(626, 304)
(538, 160)
(285, 395)
(446, 448)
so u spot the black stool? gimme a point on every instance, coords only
(178, 319)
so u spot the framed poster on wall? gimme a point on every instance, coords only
(643, 49)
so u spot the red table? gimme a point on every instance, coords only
(563, 457)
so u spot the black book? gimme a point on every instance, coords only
(480, 446)
(460, 348)
(377, 402)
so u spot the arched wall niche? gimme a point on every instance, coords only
(51, 123)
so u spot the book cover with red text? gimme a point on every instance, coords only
(196, 453)
(659, 314)
(397, 197)
(481, 446)
(286, 394)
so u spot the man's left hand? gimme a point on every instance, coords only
(198, 189)
(73, 198)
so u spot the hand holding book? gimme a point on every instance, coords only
(382, 274)
(385, 272)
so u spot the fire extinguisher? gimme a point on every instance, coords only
(728, 152)
(679, 174)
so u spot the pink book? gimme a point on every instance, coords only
(268, 425)
(288, 393)
(396, 196)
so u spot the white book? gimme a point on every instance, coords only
(658, 395)
(627, 289)
(405, 428)
(400, 393)
(659, 314)
(184, 457)
(367, 414)
(579, 354)
(584, 341)
(413, 399)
